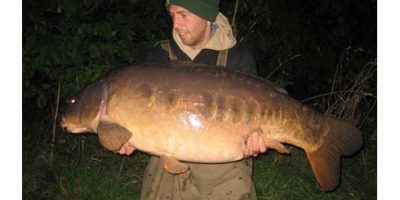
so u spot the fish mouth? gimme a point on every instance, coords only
(72, 128)
(78, 130)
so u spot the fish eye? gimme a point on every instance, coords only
(71, 100)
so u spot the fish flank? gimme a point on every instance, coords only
(168, 99)
(265, 114)
(236, 107)
(222, 109)
(146, 94)
(252, 110)
(210, 107)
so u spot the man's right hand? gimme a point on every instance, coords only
(255, 144)
(126, 149)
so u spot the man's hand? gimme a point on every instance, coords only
(255, 145)
(126, 149)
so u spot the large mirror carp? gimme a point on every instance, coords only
(204, 114)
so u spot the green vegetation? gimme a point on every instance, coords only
(322, 52)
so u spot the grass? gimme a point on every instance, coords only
(80, 169)
(66, 166)
(290, 177)
(87, 171)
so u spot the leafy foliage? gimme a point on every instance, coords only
(73, 42)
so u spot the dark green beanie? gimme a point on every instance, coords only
(206, 9)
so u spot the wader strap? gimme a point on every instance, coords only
(167, 47)
(222, 57)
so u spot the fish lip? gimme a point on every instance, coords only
(72, 128)
(75, 129)
(78, 130)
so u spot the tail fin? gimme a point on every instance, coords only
(341, 139)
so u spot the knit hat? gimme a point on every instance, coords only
(206, 9)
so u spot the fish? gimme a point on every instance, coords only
(186, 112)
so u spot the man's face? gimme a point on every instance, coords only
(192, 30)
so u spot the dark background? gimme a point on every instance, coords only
(295, 42)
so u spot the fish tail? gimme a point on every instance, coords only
(341, 139)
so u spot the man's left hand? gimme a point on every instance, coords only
(255, 145)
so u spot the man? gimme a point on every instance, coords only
(203, 35)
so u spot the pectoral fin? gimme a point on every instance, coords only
(173, 166)
(274, 144)
(112, 136)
